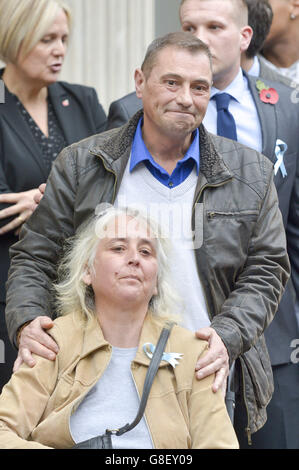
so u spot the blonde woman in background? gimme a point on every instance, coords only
(38, 118)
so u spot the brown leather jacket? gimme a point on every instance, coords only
(242, 260)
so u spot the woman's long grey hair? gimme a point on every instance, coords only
(72, 293)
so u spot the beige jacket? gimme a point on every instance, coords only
(182, 412)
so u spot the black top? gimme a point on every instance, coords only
(50, 146)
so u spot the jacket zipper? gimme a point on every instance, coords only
(109, 171)
(247, 429)
(213, 214)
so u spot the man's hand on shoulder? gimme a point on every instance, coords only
(34, 339)
(216, 360)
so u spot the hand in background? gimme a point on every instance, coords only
(21, 207)
(38, 196)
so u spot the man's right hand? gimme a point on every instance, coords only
(34, 339)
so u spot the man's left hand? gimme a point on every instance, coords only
(216, 360)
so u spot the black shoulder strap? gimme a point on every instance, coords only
(104, 441)
(150, 375)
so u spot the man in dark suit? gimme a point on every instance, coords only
(266, 118)
(120, 111)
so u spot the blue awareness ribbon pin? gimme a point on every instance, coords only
(171, 358)
(280, 149)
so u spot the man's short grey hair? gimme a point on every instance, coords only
(179, 40)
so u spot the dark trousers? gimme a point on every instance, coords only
(281, 430)
(8, 353)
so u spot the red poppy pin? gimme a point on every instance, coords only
(267, 94)
(65, 103)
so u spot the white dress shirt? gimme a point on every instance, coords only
(255, 68)
(243, 108)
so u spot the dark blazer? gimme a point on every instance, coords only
(120, 111)
(279, 121)
(21, 166)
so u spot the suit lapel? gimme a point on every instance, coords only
(269, 124)
(62, 105)
(14, 119)
(268, 120)
(70, 118)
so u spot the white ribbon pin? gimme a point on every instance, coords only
(171, 358)
(280, 149)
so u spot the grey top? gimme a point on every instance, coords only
(112, 403)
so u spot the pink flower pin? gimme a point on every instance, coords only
(65, 103)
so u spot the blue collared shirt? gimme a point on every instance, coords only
(183, 168)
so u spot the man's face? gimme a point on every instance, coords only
(176, 93)
(215, 23)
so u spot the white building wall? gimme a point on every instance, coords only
(108, 42)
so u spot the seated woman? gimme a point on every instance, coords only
(115, 296)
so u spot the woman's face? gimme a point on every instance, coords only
(44, 62)
(281, 21)
(125, 266)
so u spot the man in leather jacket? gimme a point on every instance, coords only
(271, 127)
(235, 225)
